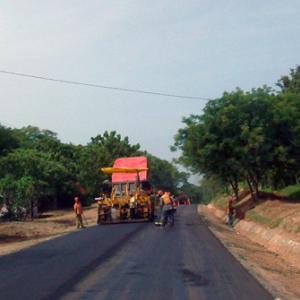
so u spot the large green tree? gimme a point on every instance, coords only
(31, 169)
(243, 137)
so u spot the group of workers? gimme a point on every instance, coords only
(166, 205)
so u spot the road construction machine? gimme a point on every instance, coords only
(128, 197)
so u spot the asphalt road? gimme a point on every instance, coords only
(130, 261)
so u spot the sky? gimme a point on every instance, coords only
(195, 48)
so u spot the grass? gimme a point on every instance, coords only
(298, 230)
(273, 270)
(242, 257)
(256, 217)
(291, 191)
(275, 223)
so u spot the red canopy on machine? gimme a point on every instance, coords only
(138, 162)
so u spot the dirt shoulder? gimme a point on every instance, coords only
(280, 278)
(15, 236)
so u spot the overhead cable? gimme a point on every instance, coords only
(103, 86)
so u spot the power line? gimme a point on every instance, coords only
(103, 86)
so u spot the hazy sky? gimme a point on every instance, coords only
(197, 48)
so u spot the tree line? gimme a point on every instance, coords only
(38, 170)
(246, 138)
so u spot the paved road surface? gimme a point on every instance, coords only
(130, 261)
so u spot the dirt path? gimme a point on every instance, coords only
(15, 236)
(272, 271)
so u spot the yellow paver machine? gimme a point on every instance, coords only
(129, 197)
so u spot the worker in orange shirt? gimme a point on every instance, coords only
(78, 212)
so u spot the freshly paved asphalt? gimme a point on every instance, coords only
(130, 261)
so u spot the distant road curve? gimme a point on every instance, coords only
(130, 261)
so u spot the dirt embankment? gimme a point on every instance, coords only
(15, 236)
(279, 276)
(271, 222)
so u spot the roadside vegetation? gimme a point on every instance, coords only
(246, 139)
(39, 172)
(291, 191)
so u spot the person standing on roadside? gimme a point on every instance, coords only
(230, 211)
(78, 212)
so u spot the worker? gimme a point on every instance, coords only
(230, 211)
(132, 206)
(78, 212)
(166, 207)
(159, 202)
(159, 198)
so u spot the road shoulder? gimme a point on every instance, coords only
(281, 279)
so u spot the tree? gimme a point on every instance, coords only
(37, 169)
(207, 142)
(286, 132)
(242, 136)
(7, 141)
(194, 192)
(114, 145)
(101, 152)
(32, 137)
(8, 192)
(31, 169)
(164, 175)
(290, 83)
(26, 194)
